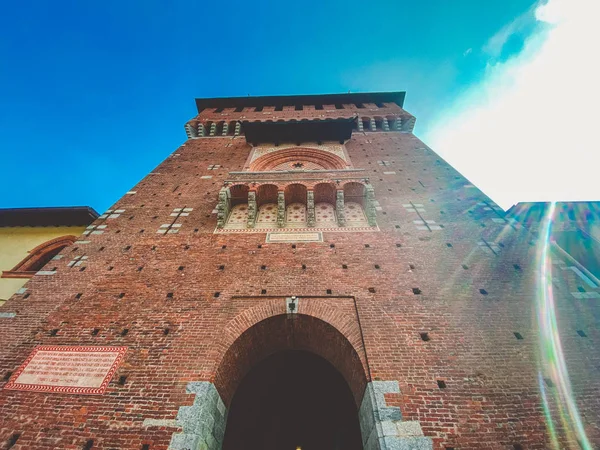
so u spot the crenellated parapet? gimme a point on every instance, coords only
(228, 117)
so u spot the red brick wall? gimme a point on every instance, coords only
(491, 400)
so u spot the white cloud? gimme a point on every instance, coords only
(495, 44)
(528, 130)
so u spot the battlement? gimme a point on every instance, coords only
(370, 112)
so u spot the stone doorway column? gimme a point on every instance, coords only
(382, 427)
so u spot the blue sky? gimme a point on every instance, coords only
(94, 95)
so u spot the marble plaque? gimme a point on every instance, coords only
(68, 370)
(316, 236)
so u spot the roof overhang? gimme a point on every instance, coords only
(319, 99)
(47, 217)
(298, 131)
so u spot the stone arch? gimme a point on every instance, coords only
(325, 205)
(231, 129)
(355, 192)
(356, 205)
(295, 193)
(325, 193)
(366, 121)
(210, 128)
(393, 122)
(220, 125)
(238, 194)
(306, 158)
(261, 331)
(266, 193)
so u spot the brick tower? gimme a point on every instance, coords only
(302, 273)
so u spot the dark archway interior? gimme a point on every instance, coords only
(293, 399)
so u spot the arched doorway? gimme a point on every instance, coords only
(290, 400)
(289, 380)
(293, 381)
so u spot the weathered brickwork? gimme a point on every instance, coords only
(194, 306)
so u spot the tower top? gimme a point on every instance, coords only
(325, 99)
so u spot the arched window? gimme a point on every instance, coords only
(39, 257)
(298, 158)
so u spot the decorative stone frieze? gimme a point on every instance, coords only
(223, 207)
(280, 209)
(339, 208)
(252, 209)
(310, 208)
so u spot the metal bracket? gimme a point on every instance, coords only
(291, 306)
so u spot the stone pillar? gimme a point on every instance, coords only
(373, 125)
(385, 125)
(201, 130)
(189, 131)
(238, 129)
(202, 424)
(252, 209)
(370, 210)
(310, 208)
(225, 129)
(408, 124)
(280, 209)
(339, 208)
(398, 124)
(382, 427)
(213, 129)
(360, 124)
(223, 207)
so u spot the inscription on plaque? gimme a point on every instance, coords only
(295, 237)
(69, 370)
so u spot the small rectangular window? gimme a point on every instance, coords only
(339, 106)
(319, 107)
(239, 109)
(279, 108)
(258, 109)
(298, 108)
(218, 110)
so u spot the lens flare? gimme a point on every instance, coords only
(559, 402)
